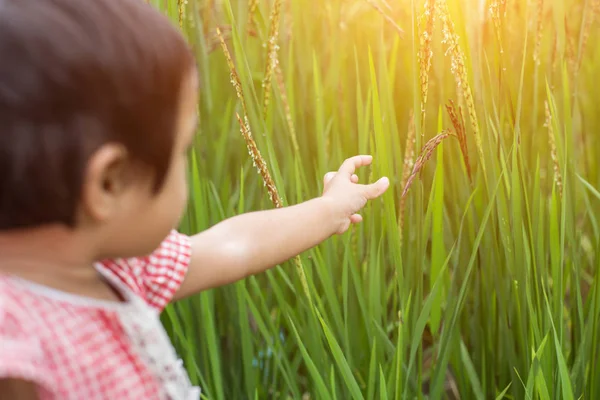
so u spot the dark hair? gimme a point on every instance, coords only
(75, 75)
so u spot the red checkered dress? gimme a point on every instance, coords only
(78, 348)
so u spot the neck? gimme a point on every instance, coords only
(53, 256)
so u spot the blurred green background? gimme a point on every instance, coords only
(482, 288)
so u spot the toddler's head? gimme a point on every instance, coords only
(97, 109)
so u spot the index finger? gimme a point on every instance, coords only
(352, 163)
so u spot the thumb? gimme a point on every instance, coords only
(376, 189)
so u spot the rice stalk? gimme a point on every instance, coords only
(386, 17)
(495, 11)
(288, 19)
(252, 6)
(409, 156)
(206, 12)
(286, 107)
(272, 61)
(257, 158)
(595, 10)
(213, 41)
(458, 122)
(387, 5)
(460, 72)
(425, 155)
(553, 151)
(181, 12)
(259, 162)
(585, 33)
(234, 77)
(554, 56)
(539, 32)
(261, 165)
(425, 51)
(570, 56)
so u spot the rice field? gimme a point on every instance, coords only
(476, 275)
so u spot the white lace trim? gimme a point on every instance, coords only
(150, 341)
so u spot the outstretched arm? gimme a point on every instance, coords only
(254, 242)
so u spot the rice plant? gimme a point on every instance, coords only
(481, 281)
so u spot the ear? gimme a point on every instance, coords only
(105, 182)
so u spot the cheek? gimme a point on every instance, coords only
(181, 190)
(169, 205)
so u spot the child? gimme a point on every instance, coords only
(97, 112)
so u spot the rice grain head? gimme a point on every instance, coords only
(496, 8)
(288, 19)
(286, 106)
(387, 5)
(386, 17)
(181, 12)
(595, 10)
(570, 46)
(257, 158)
(539, 32)
(261, 165)
(553, 151)
(234, 77)
(425, 155)
(554, 58)
(460, 73)
(425, 51)
(213, 40)
(585, 32)
(252, 6)
(458, 121)
(259, 162)
(272, 61)
(206, 15)
(409, 156)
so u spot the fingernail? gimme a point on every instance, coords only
(385, 180)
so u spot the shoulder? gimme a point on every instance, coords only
(17, 309)
(23, 356)
(157, 276)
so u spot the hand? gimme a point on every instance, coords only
(346, 196)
